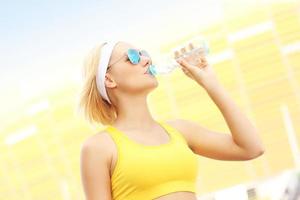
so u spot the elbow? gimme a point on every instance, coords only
(260, 152)
(257, 153)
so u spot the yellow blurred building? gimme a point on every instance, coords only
(256, 55)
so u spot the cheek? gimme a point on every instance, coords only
(125, 77)
(132, 81)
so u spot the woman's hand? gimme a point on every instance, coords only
(202, 72)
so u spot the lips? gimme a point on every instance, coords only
(146, 72)
(148, 65)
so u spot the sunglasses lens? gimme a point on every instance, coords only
(145, 53)
(133, 56)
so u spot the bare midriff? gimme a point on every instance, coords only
(182, 195)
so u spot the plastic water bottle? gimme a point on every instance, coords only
(192, 52)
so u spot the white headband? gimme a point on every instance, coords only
(105, 54)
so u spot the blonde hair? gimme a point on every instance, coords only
(95, 108)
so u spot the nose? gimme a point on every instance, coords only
(145, 60)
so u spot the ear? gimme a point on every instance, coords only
(109, 81)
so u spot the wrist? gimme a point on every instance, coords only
(212, 87)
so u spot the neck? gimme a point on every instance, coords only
(133, 114)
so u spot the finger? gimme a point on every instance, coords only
(198, 61)
(191, 46)
(204, 59)
(204, 62)
(183, 50)
(186, 72)
(183, 63)
(176, 54)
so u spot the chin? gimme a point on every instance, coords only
(153, 85)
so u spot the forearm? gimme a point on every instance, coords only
(243, 132)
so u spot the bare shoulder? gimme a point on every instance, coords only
(99, 143)
(177, 123)
(95, 162)
(182, 126)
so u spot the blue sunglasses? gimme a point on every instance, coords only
(134, 56)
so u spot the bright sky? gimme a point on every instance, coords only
(43, 43)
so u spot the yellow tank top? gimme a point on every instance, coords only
(145, 172)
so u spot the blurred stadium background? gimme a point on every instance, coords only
(254, 48)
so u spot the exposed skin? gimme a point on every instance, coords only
(134, 116)
(128, 87)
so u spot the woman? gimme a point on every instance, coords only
(137, 157)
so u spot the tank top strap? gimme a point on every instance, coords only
(113, 132)
(119, 138)
(173, 131)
